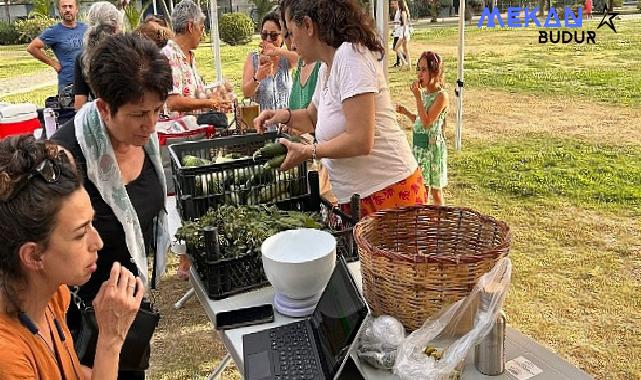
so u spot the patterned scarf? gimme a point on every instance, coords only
(103, 172)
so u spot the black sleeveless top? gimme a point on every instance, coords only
(145, 193)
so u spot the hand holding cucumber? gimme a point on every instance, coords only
(296, 154)
(284, 154)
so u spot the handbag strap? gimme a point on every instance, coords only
(154, 248)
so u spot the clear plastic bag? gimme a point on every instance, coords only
(449, 334)
(379, 341)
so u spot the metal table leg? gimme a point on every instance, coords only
(220, 368)
(181, 302)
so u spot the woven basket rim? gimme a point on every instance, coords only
(501, 249)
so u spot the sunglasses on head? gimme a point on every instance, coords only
(48, 170)
(272, 35)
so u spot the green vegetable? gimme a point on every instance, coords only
(296, 139)
(270, 150)
(235, 156)
(242, 229)
(261, 176)
(190, 160)
(275, 162)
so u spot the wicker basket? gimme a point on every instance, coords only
(418, 259)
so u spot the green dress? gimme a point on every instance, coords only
(429, 145)
(301, 96)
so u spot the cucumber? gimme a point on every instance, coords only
(190, 160)
(261, 176)
(271, 150)
(296, 139)
(275, 162)
(242, 176)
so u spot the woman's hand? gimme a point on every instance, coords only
(272, 51)
(296, 154)
(416, 89)
(270, 117)
(402, 109)
(264, 70)
(116, 305)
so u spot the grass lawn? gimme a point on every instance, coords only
(552, 145)
(37, 96)
(15, 61)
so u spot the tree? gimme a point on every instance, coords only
(42, 7)
(7, 3)
(134, 15)
(262, 8)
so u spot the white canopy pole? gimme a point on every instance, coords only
(382, 24)
(459, 81)
(153, 2)
(215, 38)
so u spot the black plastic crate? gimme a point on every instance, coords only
(235, 182)
(224, 277)
(228, 276)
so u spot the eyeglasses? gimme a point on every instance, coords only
(47, 170)
(272, 35)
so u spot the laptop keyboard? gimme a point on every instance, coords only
(295, 352)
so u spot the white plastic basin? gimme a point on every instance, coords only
(298, 263)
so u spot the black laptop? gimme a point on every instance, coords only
(312, 348)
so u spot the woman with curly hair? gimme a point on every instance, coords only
(48, 244)
(156, 30)
(103, 20)
(351, 113)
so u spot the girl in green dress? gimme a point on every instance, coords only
(429, 145)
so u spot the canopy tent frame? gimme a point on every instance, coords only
(379, 9)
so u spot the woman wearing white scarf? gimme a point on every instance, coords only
(114, 143)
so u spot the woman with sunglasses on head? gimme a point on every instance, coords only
(351, 113)
(48, 244)
(188, 93)
(155, 29)
(114, 142)
(266, 77)
(429, 142)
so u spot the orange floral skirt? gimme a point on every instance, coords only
(408, 192)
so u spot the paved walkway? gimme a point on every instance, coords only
(28, 82)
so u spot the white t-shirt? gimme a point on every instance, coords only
(356, 72)
(398, 28)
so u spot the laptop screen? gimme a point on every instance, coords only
(337, 318)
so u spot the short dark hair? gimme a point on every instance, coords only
(272, 16)
(337, 21)
(126, 66)
(28, 204)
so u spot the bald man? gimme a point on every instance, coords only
(65, 39)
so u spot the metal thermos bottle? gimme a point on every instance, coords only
(489, 354)
(49, 116)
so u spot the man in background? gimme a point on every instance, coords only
(65, 39)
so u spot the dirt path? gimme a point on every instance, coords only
(28, 82)
(495, 114)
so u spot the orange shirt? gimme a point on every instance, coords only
(24, 355)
